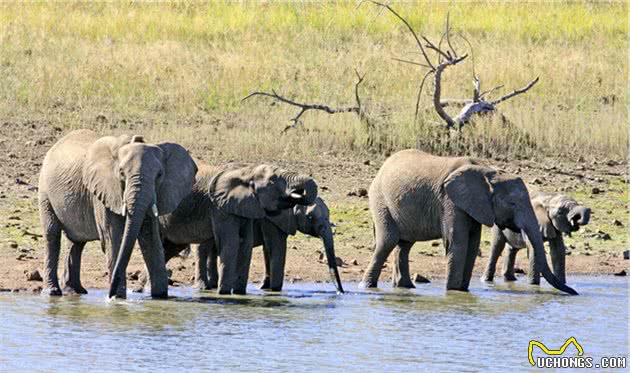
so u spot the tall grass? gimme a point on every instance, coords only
(179, 71)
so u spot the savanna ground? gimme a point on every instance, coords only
(179, 72)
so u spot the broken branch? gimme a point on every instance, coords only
(325, 108)
(516, 92)
(438, 90)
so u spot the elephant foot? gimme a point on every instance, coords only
(266, 284)
(534, 281)
(53, 291)
(160, 295)
(509, 278)
(465, 290)
(222, 291)
(239, 291)
(120, 294)
(487, 278)
(75, 289)
(368, 284)
(404, 283)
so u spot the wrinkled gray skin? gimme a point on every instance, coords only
(418, 197)
(556, 214)
(222, 207)
(109, 189)
(272, 233)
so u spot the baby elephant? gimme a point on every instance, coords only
(272, 234)
(556, 214)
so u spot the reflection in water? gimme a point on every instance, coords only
(310, 327)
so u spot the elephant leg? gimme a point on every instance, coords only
(533, 275)
(474, 239)
(244, 259)
(152, 251)
(509, 263)
(111, 227)
(496, 248)
(455, 236)
(275, 249)
(557, 251)
(266, 281)
(52, 234)
(400, 273)
(202, 253)
(213, 258)
(386, 237)
(171, 250)
(72, 270)
(226, 234)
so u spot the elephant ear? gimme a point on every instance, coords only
(101, 174)
(178, 178)
(544, 221)
(470, 190)
(285, 221)
(231, 192)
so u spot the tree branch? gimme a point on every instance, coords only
(420, 93)
(415, 36)
(516, 92)
(438, 89)
(325, 108)
(490, 91)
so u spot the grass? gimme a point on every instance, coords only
(179, 71)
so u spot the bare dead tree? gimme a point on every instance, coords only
(304, 107)
(444, 57)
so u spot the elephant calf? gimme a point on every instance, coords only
(272, 234)
(416, 196)
(556, 214)
(222, 207)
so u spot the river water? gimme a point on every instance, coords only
(308, 327)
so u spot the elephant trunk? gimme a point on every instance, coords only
(302, 190)
(579, 215)
(533, 240)
(138, 201)
(329, 247)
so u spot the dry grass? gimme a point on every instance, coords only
(179, 72)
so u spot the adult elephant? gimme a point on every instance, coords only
(418, 197)
(222, 207)
(110, 189)
(556, 214)
(272, 234)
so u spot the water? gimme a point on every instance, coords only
(310, 328)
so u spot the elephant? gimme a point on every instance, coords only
(272, 233)
(556, 214)
(110, 189)
(222, 207)
(417, 196)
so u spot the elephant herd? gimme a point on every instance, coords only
(119, 190)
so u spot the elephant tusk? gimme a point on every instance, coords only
(124, 209)
(295, 195)
(154, 210)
